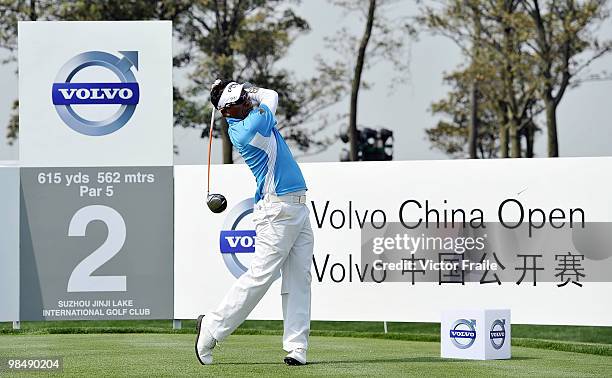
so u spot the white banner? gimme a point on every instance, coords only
(9, 242)
(95, 93)
(342, 195)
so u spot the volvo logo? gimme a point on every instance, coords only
(498, 333)
(66, 94)
(463, 333)
(237, 238)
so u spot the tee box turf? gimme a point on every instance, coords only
(476, 334)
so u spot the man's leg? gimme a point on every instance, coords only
(296, 289)
(276, 233)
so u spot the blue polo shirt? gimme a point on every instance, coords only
(266, 153)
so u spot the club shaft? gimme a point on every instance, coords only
(210, 137)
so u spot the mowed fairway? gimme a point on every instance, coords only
(239, 355)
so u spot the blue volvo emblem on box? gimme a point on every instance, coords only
(498, 333)
(126, 92)
(463, 333)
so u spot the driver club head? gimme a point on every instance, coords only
(216, 203)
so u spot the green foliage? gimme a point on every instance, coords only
(451, 136)
(523, 55)
(13, 124)
(13, 11)
(244, 41)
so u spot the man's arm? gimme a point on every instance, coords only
(264, 96)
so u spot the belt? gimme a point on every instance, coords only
(287, 198)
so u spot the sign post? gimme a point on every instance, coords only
(9, 243)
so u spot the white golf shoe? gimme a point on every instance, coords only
(205, 343)
(296, 357)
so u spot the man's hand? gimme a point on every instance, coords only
(264, 96)
(251, 91)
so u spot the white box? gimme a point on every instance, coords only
(475, 334)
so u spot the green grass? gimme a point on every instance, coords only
(583, 334)
(589, 340)
(240, 355)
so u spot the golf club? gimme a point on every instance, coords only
(216, 202)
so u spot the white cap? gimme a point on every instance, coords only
(230, 94)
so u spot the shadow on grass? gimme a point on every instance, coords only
(411, 359)
(381, 360)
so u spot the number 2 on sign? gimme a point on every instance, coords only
(81, 278)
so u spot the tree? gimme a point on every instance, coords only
(384, 38)
(513, 67)
(244, 40)
(451, 134)
(11, 12)
(563, 35)
(475, 56)
(500, 73)
(363, 45)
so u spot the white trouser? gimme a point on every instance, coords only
(284, 243)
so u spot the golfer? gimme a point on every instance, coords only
(284, 239)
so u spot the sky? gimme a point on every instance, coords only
(584, 115)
